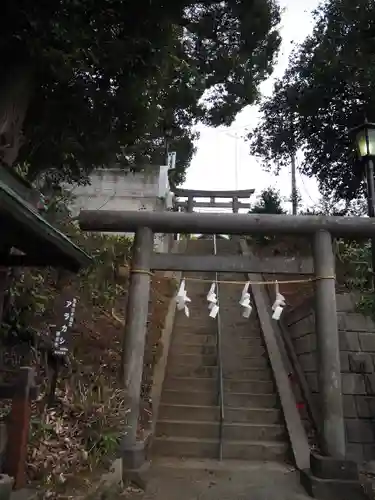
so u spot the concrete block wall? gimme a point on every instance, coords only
(116, 189)
(357, 353)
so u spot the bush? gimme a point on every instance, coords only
(356, 258)
(269, 202)
(31, 293)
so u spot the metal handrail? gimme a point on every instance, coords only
(220, 364)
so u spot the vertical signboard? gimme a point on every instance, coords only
(61, 335)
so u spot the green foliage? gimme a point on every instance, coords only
(107, 77)
(356, 259)
(328, 88)
(328, 205)
(27, 297)
(100, 283)
(268, 202)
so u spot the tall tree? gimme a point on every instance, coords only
(328, 88)
(83, 80)
(268, 202)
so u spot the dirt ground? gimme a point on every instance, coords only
(72, 442)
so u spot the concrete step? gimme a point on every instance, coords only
(256, 450)
(232, 318)
(211, 384)
(195, 324)
(243, 400)
(201, 360)
(254, 373)
(211, 350)
(180, 397)
(254, 432)
(246, 362)
(210, 398)
(249, 386)
(248, 373)
(197, 349)
(211, 414)
(209, 448)
(188, 337)
(200, 322)
(211, 430)
(195, 360)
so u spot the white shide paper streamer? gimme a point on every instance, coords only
(245, 301)
(279, 304)
(182, 300)
(212, 301)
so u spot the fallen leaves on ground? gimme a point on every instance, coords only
(74, 441)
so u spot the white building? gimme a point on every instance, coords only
(117, 189)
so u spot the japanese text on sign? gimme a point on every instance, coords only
(60, 338)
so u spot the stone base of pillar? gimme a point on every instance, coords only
(135, 464)
(6, 484)
(334, 479)
(333, 468)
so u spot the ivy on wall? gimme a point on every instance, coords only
(354, 258)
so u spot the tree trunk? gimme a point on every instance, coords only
(15, 93)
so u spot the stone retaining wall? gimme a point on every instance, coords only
(357, 352)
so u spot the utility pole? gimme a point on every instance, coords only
(236, 162)
(293, 167)
(235, 137)
(371, 208)
(294, 184)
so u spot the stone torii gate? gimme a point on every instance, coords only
(319, 229)
(191, 194)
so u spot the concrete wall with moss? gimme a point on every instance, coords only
(357, 353)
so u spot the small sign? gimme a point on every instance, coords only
(171, 160)
(60, 342)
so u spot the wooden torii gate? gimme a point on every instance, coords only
(318, 229)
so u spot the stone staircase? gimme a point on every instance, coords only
(189, 413)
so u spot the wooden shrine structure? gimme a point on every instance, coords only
(27, 239)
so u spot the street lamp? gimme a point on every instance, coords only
(365, 139)
(365, 142)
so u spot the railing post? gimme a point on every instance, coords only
(219, 361)
(329, 370)
(235, 204)
(135, 329)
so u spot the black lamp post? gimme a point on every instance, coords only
(365, 142)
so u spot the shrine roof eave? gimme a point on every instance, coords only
(23, 228)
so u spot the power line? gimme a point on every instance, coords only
(305, 188)
(227, 130)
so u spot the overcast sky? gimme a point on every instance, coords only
(214, 165)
